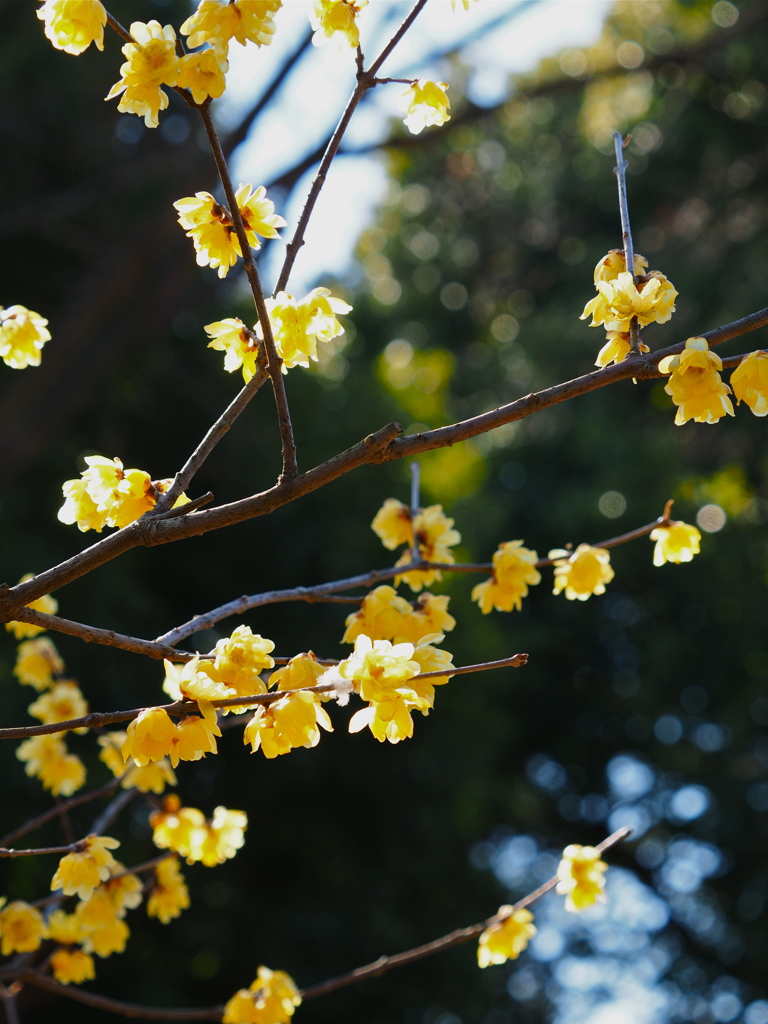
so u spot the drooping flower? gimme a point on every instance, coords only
(125, 892)
(170, 894)
(224, 836)
(105, 932)
(196, 680)
(46, 604)
(302, 671)
(22, 336)
(514, 570)
(392, 524)
(382, 616)
(430, 528)
(615, 263)
(425, 103)
(695, 385)
(72, 966)
(47, 759)
(616, 348)
(583, 573)
(38, 663)
(203, 73)
(62, 703)
(240, 659)
(650, 299)
(299, 324)
(581, 875)
(22, 928)
(239, 345)
(186, 831)
(675, 542)
(271, 999)
(72, 25)
(149, 778)
(750, 382)
(335, 20)
(65, 928)
(217, 22)
(149, 737)
(430, 659)
(152, 62)
(107, 494)
(507, 939)
(293, 721)
(81, 872)
(194, 738)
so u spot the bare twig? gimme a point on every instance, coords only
(626, 231)
(59, 809)
(112, 811)
(69, 848)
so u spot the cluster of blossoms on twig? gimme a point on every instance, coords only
(698, 391)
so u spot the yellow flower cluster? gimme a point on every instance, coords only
(292, 721)
(218, 22)
(425, 103)
(514, 570)
(152, 777)
(47, 759)
(186, 831)
(336, 20)
(46, 604)
(72, 25)
(72, 966)
(271, 999)
(80, 873)
(38, 663)
(750, 382)
(676, 542)
(695, 384)
(298, 324)
(209, 225)
(506, 939)
(583, 573)
(152, 62)
(170, 894)
(430, 529)
(384, 615)
(153, 736)
(61, 703)
(22, 928)
(22, 336)
(581, 875)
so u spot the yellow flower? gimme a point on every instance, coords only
(271, 999)
(298, 324)
(48, 760)
(37, 663)
(582, 877)
(196, 680)
(72, 25)
(224, 836)
(149, 778)
(293, 721)
(79, 507)
(429, 615)
(430, 659)
(392, 524)
(22, 928)
(383, 615)
(378, 670)
(186, 831)
(194, 738)
(258, 214)
(72, 966)
(239, 345)
(46, 604)
(217, 22)
(240, 659)
(149, 737)
(616, 348)
(301, 671)
(335, 19)
(203, 74)
(676, 542)
(22, 336)
(107, 495)
(80, 873)
(152, 62)
(425, 103)
(750, 382)
(60, 704)
(65, 928)
(170, 894)
(433, 533)
(507, 939)
(103, 931)
(583, 573)
(695, 385)
(651, 299)
(514, 570)
(615, 263)
(125, 892)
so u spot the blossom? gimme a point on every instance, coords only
(615, 263)
(217, 22)
(430, 529)
(583, 573)
(47, 604)
(675, 542)
(72, 966)
(381, 616)
(507, 939)
(81, 872)
(392, 524)
(152, 62)
(651, 299)
(194, 738)
(425, 103)
(224, 836)
(616, 348)
(170, 894)
(105, 932)
(239, 345)
(514, 569)
(22, 336)
(750, 382)
(695, 384)
(293, 721)
(240, 658)
(149, 736)
(72, 25)
(48, 760)
(125, 892)
(149, 778)
(65, 928)
(430, 659)
(271, 999)
(107, 494)
(196, 680)
(298, 324)
(62, 703)
(37, 663)
(203, 74)
(302, 671)
(22, 928)
(186, 831)
(335, 19)
(581, 875)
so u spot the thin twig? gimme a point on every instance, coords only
(69, 848)
(58, 810)
(626, 231)
(415, 501)
(454, 938)
(9, 1005)
(112, 811)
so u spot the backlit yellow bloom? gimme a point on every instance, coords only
(514, 570)
(271, 999)
(60, 704)
(651, 299)
(107, 494)
(335, 19)
(430, 659)
(72, 25)
(615, 263)
(506, 939)
(22, 928)
(152, 62)
(186, 831)
(37, 663)
(65, 928)
(149, 737)
(224, 836)
(425, 103)
(239, 345)
(240, 659)
(46, 604)
(125, 893)
(378, 670)
(434, 536)
(381, 617)
(80, 873)
(430, 615)
(582, 877)
(72, 966)
(203, 74)
(48, 760)
(583, 573)
(194, 739)
(392, 524)
(103, 931)
(301, 671)
(695, 384)
(149, 778)
(298, 324)
(196, 680)
(750, 382)
(22, 336)
(293, 721)
(217, 22)
(676, 542)
(616, 348)
(170, 895)
(258, 214)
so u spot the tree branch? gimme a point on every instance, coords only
(58, 810)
